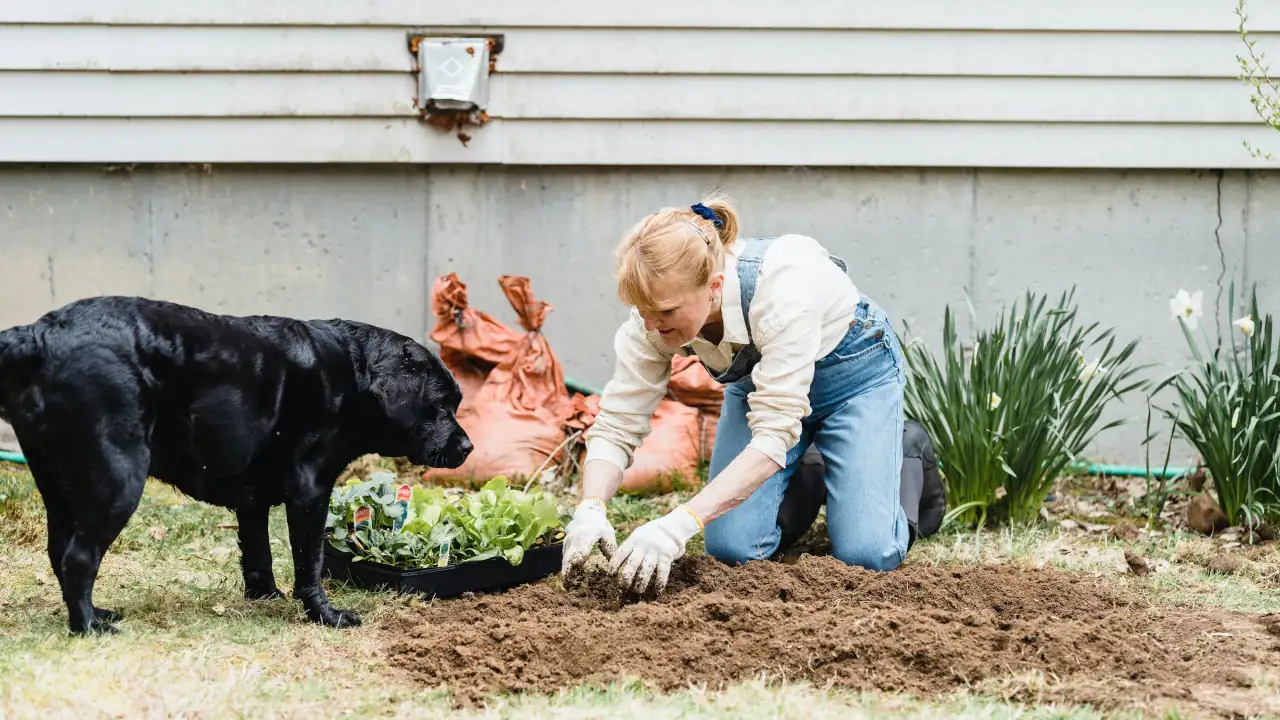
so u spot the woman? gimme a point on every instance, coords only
(805, 359)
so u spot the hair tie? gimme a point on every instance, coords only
(707, 213)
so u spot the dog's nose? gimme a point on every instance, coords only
(465, 447)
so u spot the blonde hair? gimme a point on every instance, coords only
(674, 244)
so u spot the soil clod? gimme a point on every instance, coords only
(1258, 532)
(1125, 530)
(1272, 624)
(1204, 516)
(1224, 564)
(1137, 564)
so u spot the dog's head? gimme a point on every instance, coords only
(417, 400)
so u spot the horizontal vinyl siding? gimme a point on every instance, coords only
(203, 49)
(1110, 15)
(208, 95)
(632, 97)
(859, 52)
(635, 51)
(994, 83)
(855, 98)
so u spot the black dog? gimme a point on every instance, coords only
(241, 412)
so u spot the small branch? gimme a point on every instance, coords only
(538, 473)
(1257, 76)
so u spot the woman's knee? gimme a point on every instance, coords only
(879, 553)
(736, 545)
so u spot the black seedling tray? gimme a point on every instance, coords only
(450, 581)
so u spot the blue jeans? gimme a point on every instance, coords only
(856, 422)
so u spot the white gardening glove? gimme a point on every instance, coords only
(588, 528)
(653, 547)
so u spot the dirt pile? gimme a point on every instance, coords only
(920, 630)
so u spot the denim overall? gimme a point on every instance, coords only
(856, 422)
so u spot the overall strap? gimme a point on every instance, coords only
(748, 273)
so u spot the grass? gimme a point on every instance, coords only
(1181, 563)
(758, 699)
(191, 646)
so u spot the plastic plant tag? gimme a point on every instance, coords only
(444, 554)
(363, 516)
(403, 494)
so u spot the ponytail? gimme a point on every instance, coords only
(722, 206)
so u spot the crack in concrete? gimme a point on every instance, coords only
(1222, 258)
(151, 242)
(1245, 217)
(973, 240)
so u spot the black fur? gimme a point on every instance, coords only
(242, 412)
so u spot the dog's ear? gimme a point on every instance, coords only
(395, 377)
(416, 357)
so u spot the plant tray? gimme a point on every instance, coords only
(450, 581)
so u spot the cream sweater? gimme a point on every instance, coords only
(802, 308)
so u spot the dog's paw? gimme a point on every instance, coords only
(96, 627)
(335, 618)
(107, 616)
(263, 593)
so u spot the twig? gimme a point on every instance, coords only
(538, 473)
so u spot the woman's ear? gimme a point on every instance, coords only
(717, 282)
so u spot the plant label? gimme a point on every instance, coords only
(403, 494)
(363, 516)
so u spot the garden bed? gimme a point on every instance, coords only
(1029, 634)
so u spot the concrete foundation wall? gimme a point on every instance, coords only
(366, 242)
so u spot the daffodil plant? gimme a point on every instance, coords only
(1009, 418)
(1228, 408)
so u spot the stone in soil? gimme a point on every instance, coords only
(920, 630)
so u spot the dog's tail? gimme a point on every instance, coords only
(14, 345)
(18, 358)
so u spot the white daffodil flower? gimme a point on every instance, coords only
(1189, 307)
(1246, 325)
(995, 401)
(1092, 370)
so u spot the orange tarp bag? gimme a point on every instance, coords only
(516, 419)
(471, 342)
(669, 455)
(692, 385)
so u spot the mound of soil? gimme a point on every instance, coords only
(924, 631)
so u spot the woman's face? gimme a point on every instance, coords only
(680, 312)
